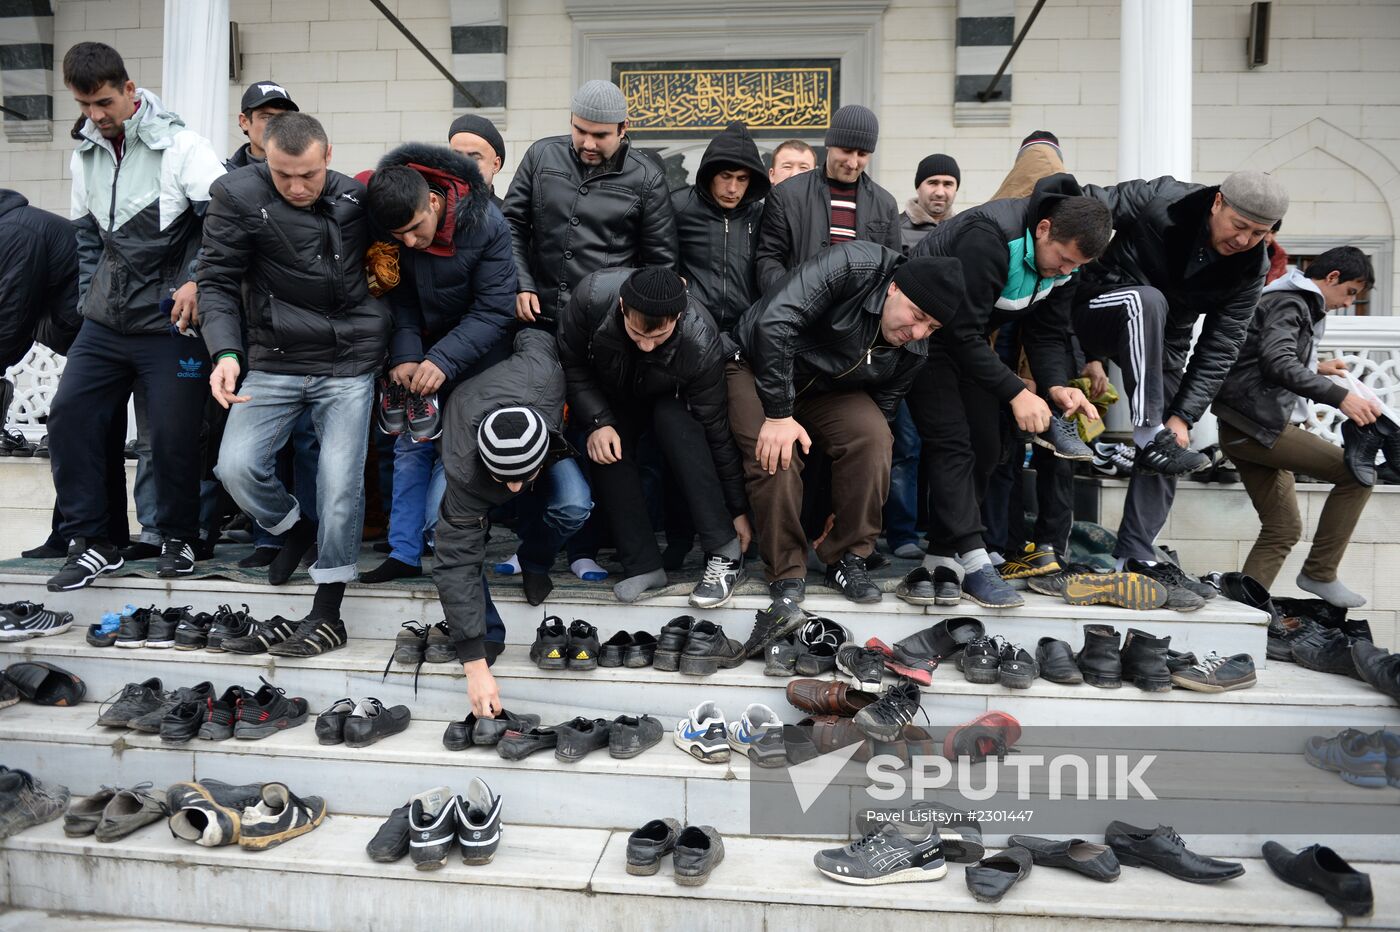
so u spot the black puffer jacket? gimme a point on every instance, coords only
(997, 251)
(718, 245)
(819, 331)
(309, 311)
(796, 222)
(1274, 367)
(38, 280)
(566, 222)
(1162, 237)
(602, 365)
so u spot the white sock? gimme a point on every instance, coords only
(974, 560)
(587, 568)
(1142, 436)
(996, 558)
(510, 567)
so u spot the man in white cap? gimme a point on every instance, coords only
(1182, 251)
(583, 202)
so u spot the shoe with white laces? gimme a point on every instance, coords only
(176, 559)
(718, 581)
(20, 621)
(703, 734)
(85, 563)
(758, 735)
(1217, 674)
(884, 856)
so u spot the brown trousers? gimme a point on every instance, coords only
(849, 428)
(1267, 474)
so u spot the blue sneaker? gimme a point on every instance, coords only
(986, 587)
(1390, 740)
(104, 633)
(1360, 758)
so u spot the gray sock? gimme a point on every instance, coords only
(974, 560)
(731, 551)
(933, 561)
(1333, 593)
(631, 588)
(910, 551)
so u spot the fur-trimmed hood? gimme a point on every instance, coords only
(438, 164)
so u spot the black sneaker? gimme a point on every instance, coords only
(1216, 674)
(863, 666)
(1165, 457)
(849, 575)
(630, 735)
(1326, 650)
(980, 660)
(551, 646)
(772, 624)
(438, 648)
(670, 642)
(922, 587)
(717, 583)
(390, 843)
(192, 633)
(885, 718)
(794, 589)
(818, 642)
(279, 816)
(267, 712)
(20, 621)
(707, 650)
(313, 636)
(391, 414)
(1183, 593)
(134, 628)
(227, 624)
(432, 828)
(781, 657)
(150, 722)
(85, 563)
(1062, 439)
(583, 646)
(134, 701)
(579, 736)
(176, 559)
(424, 419)
(262, 636)
(410, 644)
(478, 818)
(221, 714)
(160, 633)
(1017, 669)
(183, 721)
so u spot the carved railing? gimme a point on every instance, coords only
(35, 379)
(1371, 348)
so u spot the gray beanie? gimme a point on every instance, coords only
(600, 102)
(854, 127)
(1256, 196)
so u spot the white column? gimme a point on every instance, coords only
(194, 70)
(1154, 104)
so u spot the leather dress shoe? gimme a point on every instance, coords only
(1322, 871)
(485, 732)
(578, 736)
(1359, 448)
(827, 697)
(943, 641)
(992, 877)
(1056, 659)
(518, 745)
(1076, 854)
(1163, 849)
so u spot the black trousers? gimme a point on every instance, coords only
(964, 438)
(617, 487)
(114, 465)
(102, 369)
(1003, 510)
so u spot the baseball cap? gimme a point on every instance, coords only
(262, 93)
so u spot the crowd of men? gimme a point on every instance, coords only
(773, 357)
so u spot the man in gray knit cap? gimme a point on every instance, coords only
(810, 212)
(583, 202)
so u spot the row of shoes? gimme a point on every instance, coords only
(13, 443)
(1316, 647)
(20, 621)
(695, 850)
(360, 724)
(625, 737)
(255, 816)
(402, 411)
(225, 630)
(1369, 759)
(40, 683)
(187, 712)
(433, 823)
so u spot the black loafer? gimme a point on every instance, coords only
(1163, 849)
(580, 736)
(614, 649)
(1056, 659)
(1076, 854)
(649, 844)
(373, 721)
(1322, 871)
(518, 745)
(330, 724)
(990, 878)
(641, 651)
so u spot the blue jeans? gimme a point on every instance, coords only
(419, 484)
(258, 428)
(550, 513)
(306, 450)
(902, 507)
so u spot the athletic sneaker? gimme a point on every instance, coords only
(718, 581)
(1165, 457)
(550, 648)
(313, 636)
(227, 623)
(758, 735)
(478, 818)
(424, 420)
(1114, 459)
(1360, 758)
(851, 578)
(432, 828)
(885, 856)
(85, 563)
(279, 816)
(1032, 561)
(1062, 439)
(267, 712)
(192, 633)
(885, 718)
(160, 633)
(1126, 590)
(134, 701)
(134, 628)
(262, 636)
(221, 714)
(20, 621)
(986, 587)
(391, 413)
(210, 812)
(772, 624)
(176, 559)
(1173, 577)
(862, 665)
(703, 734)
(150, 722)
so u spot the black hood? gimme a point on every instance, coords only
(471, 209)
(1048, 192)
(11, 200)
(733, 148)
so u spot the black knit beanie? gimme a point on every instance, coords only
(934, 284)
(854, 127)
(513, 442)
(938, 164)
(479, 126)
(654, 291)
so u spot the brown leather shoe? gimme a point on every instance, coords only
(827, 697)
(831, 732)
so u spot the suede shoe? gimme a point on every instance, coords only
(1322, 871)
(1100, 660)
(670, 642)
(580, 736)
(1144, 661)
(649, 844)
(550, 648)
(1163, 849)
(827, 697)
(708, 650)
(1062, 438)
(134, 701)
(986, 587)
(922, 587)
(128, 810)
(1056, 660)
(25, 802)
(1076, 854)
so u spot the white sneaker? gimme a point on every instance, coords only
(758, 735)
(702, 735)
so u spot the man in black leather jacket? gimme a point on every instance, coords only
(293, 233)
(642, 355)
(827, 356)
(1182, 251)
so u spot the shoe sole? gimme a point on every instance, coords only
(718, 755)
(254, 732)
(27, 635)
(211, 732)
(902, 592)
(959, 848)
(667, 661)
(698, 880)
(1030, 572)
(1126, 590)
(1102, 681)
(1341, 906)
(160, 645)
(263, 842)
(1198, 686)
(644, 870)
(1019, 680)
(110, 568)
(705, 666)
(969, 597)
(908, 875)
(174, 574)
(131, 645)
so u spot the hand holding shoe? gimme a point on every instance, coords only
(1183, 433)
(1071, 401)
(427, 379)
(482, 692)
(1031, 412)
(1361, 410)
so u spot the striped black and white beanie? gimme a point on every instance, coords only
(513, 442)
